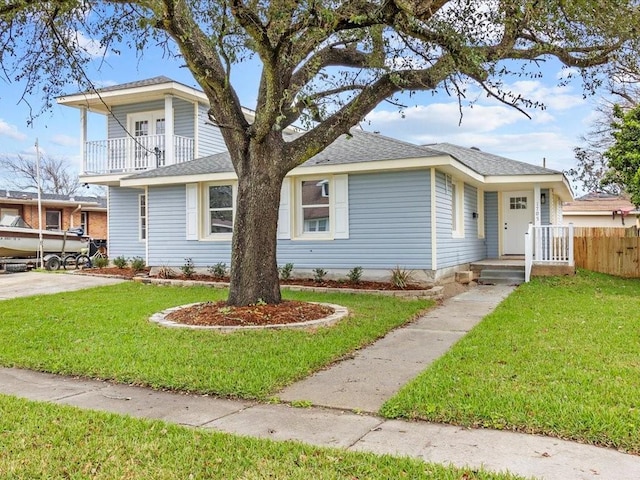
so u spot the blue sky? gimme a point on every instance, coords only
(551, 133)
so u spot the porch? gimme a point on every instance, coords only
(134, 154)
(548, 251)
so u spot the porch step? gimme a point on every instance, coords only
(501, 276)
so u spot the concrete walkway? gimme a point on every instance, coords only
(374, 374)
(40, 283)
(350, 387)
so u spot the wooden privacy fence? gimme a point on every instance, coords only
(611, 250)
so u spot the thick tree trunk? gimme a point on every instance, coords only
(254, 269)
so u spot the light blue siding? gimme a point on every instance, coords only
(167, 232)
(183, 118)
(456, 251)
(124, 223)
(389, 226)
(210, 139)
(491, 226)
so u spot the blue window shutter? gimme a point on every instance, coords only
(341, 206)
(192, 211)
(284, 212)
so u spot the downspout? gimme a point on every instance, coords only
(434, 219)
(73, 213)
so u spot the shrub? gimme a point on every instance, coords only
(188, 269)
(137, 264)
(100, 262)
(401, 277)
(318, 274)
(166, 272)
(219, 270)
(120, 261)
(355, 274)
(285, 271)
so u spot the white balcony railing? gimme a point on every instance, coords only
(548, 245)
(128, 154)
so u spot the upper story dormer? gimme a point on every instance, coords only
(149, 124)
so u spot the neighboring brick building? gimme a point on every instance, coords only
(59, 212)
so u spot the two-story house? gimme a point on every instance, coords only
(367, 200)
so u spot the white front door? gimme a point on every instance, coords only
(517, 213)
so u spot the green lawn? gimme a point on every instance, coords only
(46, 441)
(561, 356)
(104, 332)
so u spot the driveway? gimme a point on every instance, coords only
(37, 283)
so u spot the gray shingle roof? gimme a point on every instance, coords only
(159, 80)
(488, 163)
(362, 147)
(27, 195)
(358, 147)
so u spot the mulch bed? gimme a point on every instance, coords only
(219, 314)
(307, 282)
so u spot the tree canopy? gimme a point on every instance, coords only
(325, 64)
(624, 155)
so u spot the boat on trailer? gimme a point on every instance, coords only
(19, 240)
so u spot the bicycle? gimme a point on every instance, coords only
(86, 258)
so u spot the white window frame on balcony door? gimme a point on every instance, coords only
(152, 117)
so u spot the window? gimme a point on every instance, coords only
(52, 219)
(517, 203)
(457, 208)
(142, 214)
(315, 205)
(14, 212)
(84, 222)
(220, 203)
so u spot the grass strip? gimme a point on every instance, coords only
(104, 333)
(46, 441)
(560, 356)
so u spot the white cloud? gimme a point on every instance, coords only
(553, 97)
(440, 119)
(65, 140)
(88, 45)
(11, 131)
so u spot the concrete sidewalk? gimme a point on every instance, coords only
(360, 384)
(527, 455)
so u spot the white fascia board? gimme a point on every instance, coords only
(599, 213)
(178, 179)
(94, 101)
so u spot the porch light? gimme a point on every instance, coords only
(543, 198)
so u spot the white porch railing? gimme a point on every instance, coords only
(548, 245)
(128, 154)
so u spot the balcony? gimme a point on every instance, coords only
(129, 154)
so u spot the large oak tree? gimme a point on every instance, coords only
(324, 63)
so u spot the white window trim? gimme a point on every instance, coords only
(480, 213)
(145, 216)
(206, 217)
(457, 230)
(300, 234)
(151, 115)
